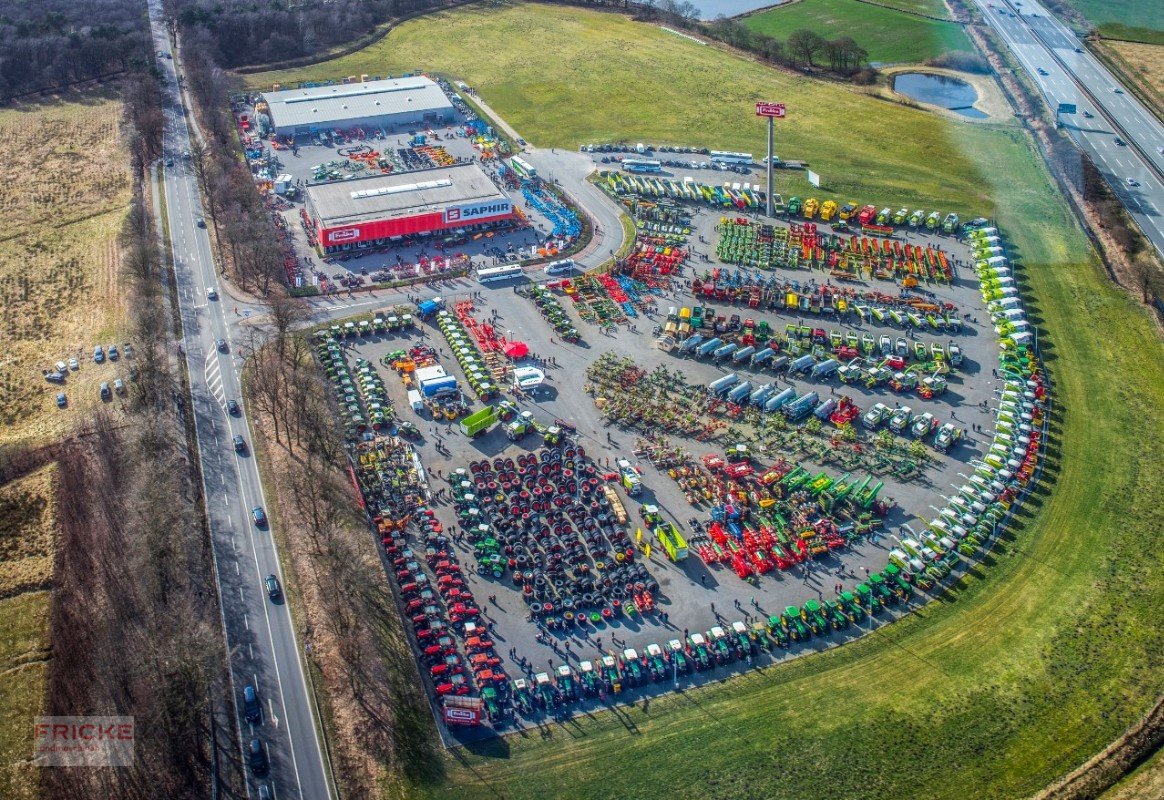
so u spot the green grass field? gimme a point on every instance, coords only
(1131, 20)
(889, 36)
(659, 87)
(1040, 657)
(931, 8)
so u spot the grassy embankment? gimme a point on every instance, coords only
(65, 193)
(888, 35)
(1034, 662)
(1130, 20)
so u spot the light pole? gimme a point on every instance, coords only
(772, 111)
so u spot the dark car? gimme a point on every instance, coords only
(1120, 141)
(62, 401)
(252, 708)
(240, 444)
(221, 345)
(232, 408)
(272, 585)
(259, 516)
(258, 757)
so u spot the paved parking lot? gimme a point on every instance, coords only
(691, 593)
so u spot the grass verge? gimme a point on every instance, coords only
(1040, 656)
(889, 35)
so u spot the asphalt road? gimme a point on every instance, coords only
(260, 634)
(1043, 44)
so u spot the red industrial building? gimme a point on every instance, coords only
(372, 211)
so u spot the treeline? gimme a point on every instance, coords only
(51, 44)
(240, 219)
(357, 637)
(243, 32)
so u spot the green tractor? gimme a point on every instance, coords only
(835, 614)
(813, 616)
(792, 622)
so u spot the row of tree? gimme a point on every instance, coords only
(241, 221)
(353, 621)
(243, 32)
(51, 44)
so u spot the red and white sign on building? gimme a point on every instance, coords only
(764, 109)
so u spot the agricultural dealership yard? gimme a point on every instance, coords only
(1020, 669)
(889, 35)
(61, 206)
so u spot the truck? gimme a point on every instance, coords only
(629, 478)
(794, 206)
(415, 401)
(828, 210)
(722, 384)
(479, 421)
(867, 215)
(933, 220)
(900, 419)
(950, 223)
(901, 216)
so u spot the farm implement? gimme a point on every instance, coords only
(551, 310)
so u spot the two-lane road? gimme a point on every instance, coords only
(1123, 139)
(260, 634)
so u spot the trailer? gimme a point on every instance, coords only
(778, 402)
(779, 363)
(762, 355)
(802, 364)
(824, 408)
(743, 354)
(479, 421)
(761, 394)
(690, 343)
(739, 392)
(724, 351)
(722, 384)
(825, 369)
(708, 347)
(801, 406)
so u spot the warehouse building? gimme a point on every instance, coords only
(372, 211)
(395, 102)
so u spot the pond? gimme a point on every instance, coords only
(710, 9)
(939, 90)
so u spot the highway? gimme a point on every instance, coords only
(260, 634)
(1065, 72)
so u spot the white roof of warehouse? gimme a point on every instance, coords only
(400, 194)
(335, 105)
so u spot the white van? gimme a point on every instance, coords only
(560, 267)
(415, 400)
